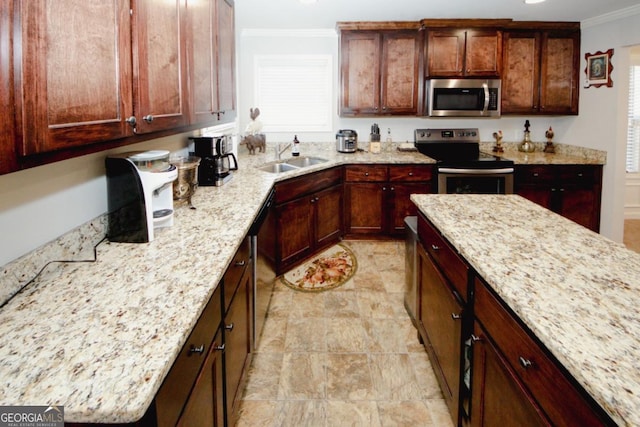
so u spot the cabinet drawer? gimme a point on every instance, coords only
(448, 260)
(534, 174)
(578, 175)
(234, 272)
(300, 186)
(177, 385)
(365, 173)
(410, 173)
(562, 401)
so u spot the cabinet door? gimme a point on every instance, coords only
(521, 72)
(445, 52)
(483, 53)
(497, 396)
(226, 61)
(205, 406)
(8, 157)
(559, 73)
(159, 70)
(364, 208)
(360, 58)
(401, 204)
(76, 68)
(203, 73)
(237, 338)
(400, 72)
(441, 316)
(328, 215)
(295, 231)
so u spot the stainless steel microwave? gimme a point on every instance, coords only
(463, 98)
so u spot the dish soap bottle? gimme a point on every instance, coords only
(527, 146)
(295, 150)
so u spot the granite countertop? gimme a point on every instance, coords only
(575, 289)
(100, 337)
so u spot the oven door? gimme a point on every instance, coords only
(475, 181)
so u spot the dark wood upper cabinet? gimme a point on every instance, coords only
(159, 65)
(71, 89)
(226, 64)
(541, 71)
(8, 158)
(380, 69)
(454, 52)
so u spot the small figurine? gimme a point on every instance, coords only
(549, 148)
(498, 137)
(253, 138)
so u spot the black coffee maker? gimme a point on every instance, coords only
(217, 160)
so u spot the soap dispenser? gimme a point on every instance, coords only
(526, 145)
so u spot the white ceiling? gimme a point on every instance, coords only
(325, 13)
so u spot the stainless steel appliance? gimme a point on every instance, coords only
(411, 268)
(463, 97)
(263, 244)
(140, 195)
(347, 141)
(217, 160)
(460, 166)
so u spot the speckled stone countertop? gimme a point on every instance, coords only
(576, 290)
(100, 337)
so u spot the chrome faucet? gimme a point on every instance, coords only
(279, 150)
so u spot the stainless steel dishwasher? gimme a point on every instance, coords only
(263, 245)
(411, 268)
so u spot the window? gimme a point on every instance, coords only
(633, 130)
(294, 92)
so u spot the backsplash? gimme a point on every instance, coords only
(75, 245)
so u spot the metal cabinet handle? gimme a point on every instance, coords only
(435, 247)
(229, 327)
(525, 363)
(475, 338)
(410, 173)
(366, 174)
(384, 188)
(196, 350)
(455, 316)
(536, 174)
(240, 263)
(148, 118)
(131, 121)
(393, 188)
(219, 347)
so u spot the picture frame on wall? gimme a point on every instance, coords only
(599, 69)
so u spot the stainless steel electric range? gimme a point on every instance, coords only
(460, 165)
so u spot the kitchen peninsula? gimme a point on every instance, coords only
(99, 338)
(573, 289)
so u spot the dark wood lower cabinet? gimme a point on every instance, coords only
(492, 381)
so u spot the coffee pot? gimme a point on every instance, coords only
(217, 160)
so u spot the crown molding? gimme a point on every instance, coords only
(612, 16)
(289, 32)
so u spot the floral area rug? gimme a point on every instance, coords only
(327, 270)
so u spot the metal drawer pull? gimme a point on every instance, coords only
(475, 338)
(525, 363)
(456, 316)
(196, 350)
(240, 263)
(148, 118)
(435, 247)
(229, 327)
(219, 347)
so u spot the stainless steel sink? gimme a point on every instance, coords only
(277, 167)
(305, 161)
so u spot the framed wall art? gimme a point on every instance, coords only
(599, 69)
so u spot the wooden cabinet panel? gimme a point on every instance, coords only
(74, 88)
(364, 204)
(402, 204)
(442, 317)
(456, 52)
(328, 215)
(295, 230)
(380, 72)
(573, 191)
(160, 69)
(492, 381)
(226, 64)
(539, 373)
(203, 73)
(541, 72)
(8, 154)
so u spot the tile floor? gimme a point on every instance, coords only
(344, 357)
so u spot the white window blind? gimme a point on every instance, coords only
(294, 92)
(633, 131)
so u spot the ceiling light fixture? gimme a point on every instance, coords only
(533, 1)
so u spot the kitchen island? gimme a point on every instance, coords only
(575, 290)
(99, 338)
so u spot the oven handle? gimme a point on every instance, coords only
(503, 171)
(485, 86)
